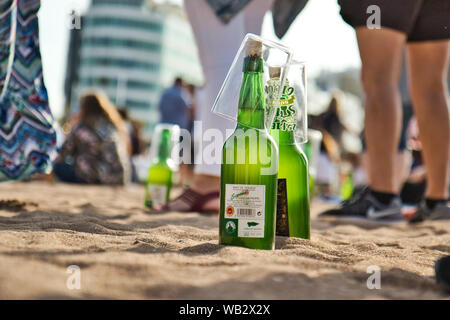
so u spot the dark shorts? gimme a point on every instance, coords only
(421, 20)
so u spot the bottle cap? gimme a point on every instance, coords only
(253, 48)
(275, 72)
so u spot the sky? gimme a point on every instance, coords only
(318, 36)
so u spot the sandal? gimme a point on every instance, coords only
(191, 201)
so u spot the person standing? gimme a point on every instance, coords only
(423, 28)
(174, 105)
(219, 28)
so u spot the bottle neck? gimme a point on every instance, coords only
(251, 100)
(164, 146)
(163, 156)
(283, 137)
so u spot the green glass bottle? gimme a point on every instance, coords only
(307, 149)
(347, 187)
(160, 174)
(249, 167)
(293, 179)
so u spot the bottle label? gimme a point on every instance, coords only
(157, 193)
(285, 117)
(282, 209)
(244, 210)
(272, 90)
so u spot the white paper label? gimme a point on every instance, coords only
(158, 194)
(244, 205)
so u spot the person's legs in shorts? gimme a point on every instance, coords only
(428, 65)
(381, 51)
(381, 56)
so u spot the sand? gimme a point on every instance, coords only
(125, 253)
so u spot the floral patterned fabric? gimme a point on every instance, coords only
(94, 154)
(27, 136)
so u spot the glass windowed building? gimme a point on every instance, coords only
(133, 49)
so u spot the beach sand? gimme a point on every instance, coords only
(125, 253)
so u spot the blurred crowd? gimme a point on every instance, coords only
(105, 145)
(403, 89)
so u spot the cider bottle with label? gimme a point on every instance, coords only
(293, 179)
(249, 166)
(160, 173)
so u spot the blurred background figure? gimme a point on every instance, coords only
(137, 144)
(191, 91)
(174, 105)
(187, 169)
(97, 149)
(334, 155)
(329, 121)
(134, 130)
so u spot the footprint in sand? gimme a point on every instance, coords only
(15, 205)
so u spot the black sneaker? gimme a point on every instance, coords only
(358, 193)
(440, 212)
(442, 269)
(367, 207)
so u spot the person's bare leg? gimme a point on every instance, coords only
(428, 65)
(366, 165)
(381, 55)
(216, 54)
(204, 183)
(402, 167)
(186, 174)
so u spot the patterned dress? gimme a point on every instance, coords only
(27, 137)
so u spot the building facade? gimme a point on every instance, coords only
(133, 49)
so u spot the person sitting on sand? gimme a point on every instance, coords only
(96, 150)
